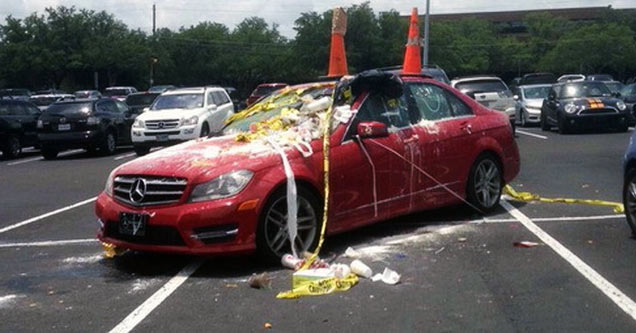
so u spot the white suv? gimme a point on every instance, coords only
(490, 91)
(180, 115)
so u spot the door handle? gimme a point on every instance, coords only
(466, 127)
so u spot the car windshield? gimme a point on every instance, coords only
(160, 88)
(262, 91)
(180, 101)
(629, 90)
(142, 99)
(585, 89)
(116, 92)
(273, 105)
(69, 108)
(614, 87)
(536, 92)
(481, 86)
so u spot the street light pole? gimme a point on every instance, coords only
(426, 34)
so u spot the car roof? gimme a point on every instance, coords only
(119, 87)
(538, 85)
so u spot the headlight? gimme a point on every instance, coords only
(570, 108)
(92, 121)
(138, 123)
(108, 188)
(223, 186)
(191, 121)
(621, 106)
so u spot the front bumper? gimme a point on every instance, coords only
(532, 115)
(597, 120)
(68, 140)
(146, 137)
(205, 228)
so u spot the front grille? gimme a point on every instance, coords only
(598, 111)
(155, 235)
(162, 124)
(156, 190)
(154, 133)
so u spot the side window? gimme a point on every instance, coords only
(106, 106)
(458, 107)
(430, 100)
(32, 109)
(17, 109)
(121, 107)
(391, 112)
(223, 97)
(212, 98)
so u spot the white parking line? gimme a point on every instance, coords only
(124, 156)
(66, 153)
(613, 293)
(553, 219)
(142, 311)
(532, 135)
(37, 218)
(50, 243)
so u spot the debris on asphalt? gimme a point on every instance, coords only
(352, 253)
(388, 276)
(295, 263)
(525, 244)
(462, 239)
(259, 281)
(340, 270)
(267, 326)
(440, 250)
(361, 269)
(112, 250)
(231, 285)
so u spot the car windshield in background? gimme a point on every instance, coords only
(262, 91)
(536, 92)
(275, 103)
(145, 99)
(69, 108)
(83, 94)
(481, 86)
(116, 92)
(160, 89)
(43, 101)
(181, 101)
(585, 89)
(629, 90)
(14, 92)
(614, 87)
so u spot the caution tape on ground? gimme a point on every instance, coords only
(319, 287)
(527, 197)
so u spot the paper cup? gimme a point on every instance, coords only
(360, 269)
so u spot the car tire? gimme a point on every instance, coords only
(544, 122)
(11, 148)
(205, 130)
(622, 128)
(141, 150)
(49, 153)
(272, 239)
(524, 123)
(563, 126)
(629, 199)
(109, 144)
(485, 183)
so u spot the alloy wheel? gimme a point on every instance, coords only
(487, 183)
(276, 231)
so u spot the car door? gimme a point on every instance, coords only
(127, 118)
(216, 112)
(29, 122)
(550, 106)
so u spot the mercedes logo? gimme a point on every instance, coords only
(161, 124)
(137, 190)
(62, 120)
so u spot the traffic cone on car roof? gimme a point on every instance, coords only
(412, 58)
(337, 56)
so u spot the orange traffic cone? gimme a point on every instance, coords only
(337, 57)
(412, 59)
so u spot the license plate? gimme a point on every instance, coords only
(133, 224)
(63, 127)
(163, 137)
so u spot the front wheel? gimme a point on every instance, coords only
(524, 122)
(49, 153)
(141, 150)
(12, 148)
(485, 184)
(109, 145)
(629, 199)
(272, 236)
(205, 130)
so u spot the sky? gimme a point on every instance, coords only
(176, 13)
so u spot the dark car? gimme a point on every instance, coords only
(17, 94)
(583, 104)
(263, 90)
(234, 96)
(87, 94)
(628, 95)
(97, 124)
(629, 184)
(137, 102)
(18, 120)
(537, 78)
(600, 77)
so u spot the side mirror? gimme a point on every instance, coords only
(372, 129)
(515, 97)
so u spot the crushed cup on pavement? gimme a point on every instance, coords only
(351, 253)
(388, 276)
(260, 281)
(361, 269)
(340, 270)
(525, 244)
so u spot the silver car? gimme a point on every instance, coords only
(528, 102)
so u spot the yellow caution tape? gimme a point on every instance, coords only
(112, 250)
(527, 197)
(320, 287)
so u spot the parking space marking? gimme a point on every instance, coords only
(66, 153)
(532, 134)
(124, 156)
(142, 311)
(43, 216)
(553, 219)
(613, 293)
(50, 243)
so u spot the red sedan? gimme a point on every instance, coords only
(392, 153)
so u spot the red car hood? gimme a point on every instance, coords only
(203, 159)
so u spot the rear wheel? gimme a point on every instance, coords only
(524, 122)
(141, 150)
(272, 236)
(629, 199)
(205, 130)
(109, 145)
(485, 183)
(49, 153)
(11, 148)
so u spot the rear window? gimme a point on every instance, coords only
(116, 92)
(70, 108)
(43, 101)
(145, 99)
(481, 86)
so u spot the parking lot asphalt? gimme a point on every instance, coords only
(460, 271)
